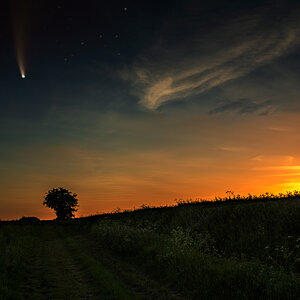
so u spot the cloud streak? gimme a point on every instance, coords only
(207, 60)
(232, 148)
(279, 168)
(245, 106)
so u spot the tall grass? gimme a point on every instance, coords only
(192, 265)
(233, 249)
(16, 244)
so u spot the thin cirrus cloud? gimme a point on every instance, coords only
(279, 128)
(245, 106)
(279, 168)
(208, 60)
(232, 148)
(286, 160)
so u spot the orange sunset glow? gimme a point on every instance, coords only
(256, 159)
(125, 111)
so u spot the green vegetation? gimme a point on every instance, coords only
(233, 248)
(14, 252)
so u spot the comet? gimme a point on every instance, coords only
(21, 28)
(21, 64)
(21, 59)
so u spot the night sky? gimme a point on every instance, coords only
(141, 102)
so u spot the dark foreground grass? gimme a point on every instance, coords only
(16, 244)
(111, 287)
(193, 267)
(233, 249)
(41, 261)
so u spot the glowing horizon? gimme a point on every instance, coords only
(106, 180)
(149, 104)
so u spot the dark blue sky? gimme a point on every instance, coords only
(123, 99)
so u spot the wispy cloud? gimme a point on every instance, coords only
(244, 106)
(286, 175)
(232, 148)
(270, 159)
(170, 71)
(279, 128)
(278, 168)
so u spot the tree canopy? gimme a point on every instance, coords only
(62, 201)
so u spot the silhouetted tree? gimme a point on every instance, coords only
(62, 201)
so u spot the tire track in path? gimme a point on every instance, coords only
(53, 273)
(57, 270)
(131, 276)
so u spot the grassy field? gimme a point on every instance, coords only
(233, 248)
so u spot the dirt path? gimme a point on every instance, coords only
(54, 274)
(58, 270)
(74, 267)
(134, 279)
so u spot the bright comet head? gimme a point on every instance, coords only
(23, 76)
